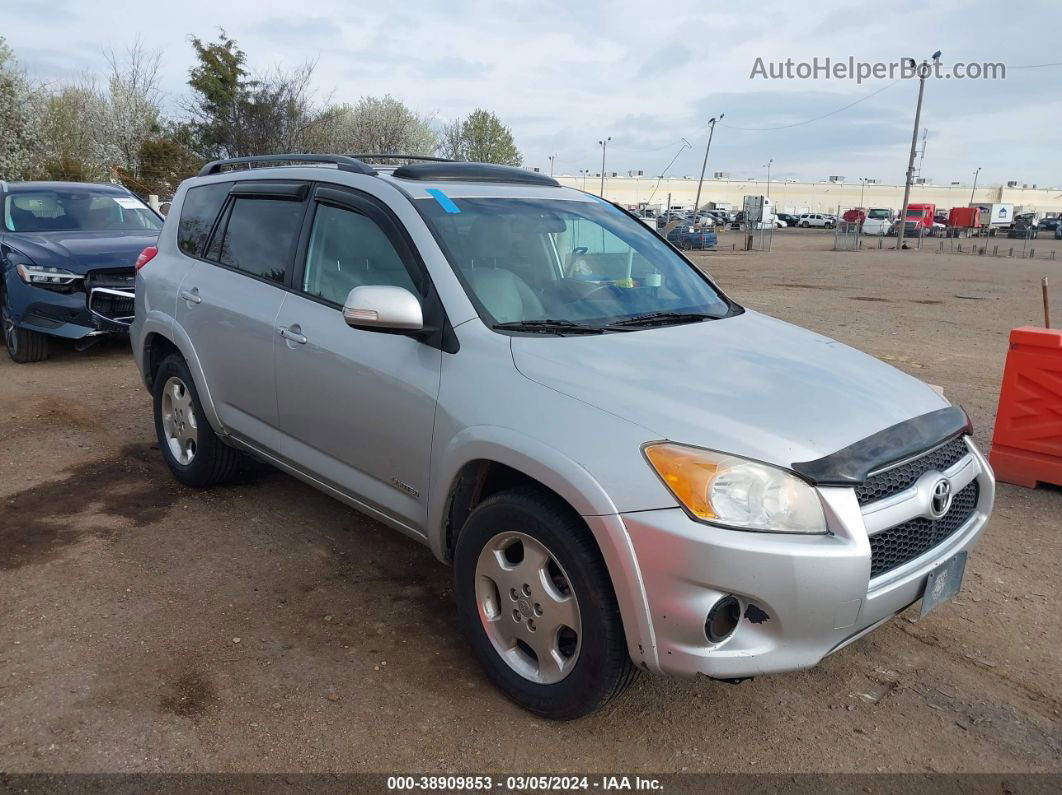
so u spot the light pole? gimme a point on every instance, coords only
(551, 158)
(769, 177)
(604, 147)
(704, 165)
(863, 180)
(974, 189)
(923, 73)
(584, 172)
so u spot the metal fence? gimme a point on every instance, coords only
(849, 239)
(758, 239)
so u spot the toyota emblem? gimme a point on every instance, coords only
(941, 501)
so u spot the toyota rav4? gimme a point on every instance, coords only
(626, 469)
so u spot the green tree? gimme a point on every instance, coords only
(219, 82)
(486, 140)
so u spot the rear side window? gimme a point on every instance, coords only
(201, 207)
(260, 235)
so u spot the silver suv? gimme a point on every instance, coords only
(627, 470)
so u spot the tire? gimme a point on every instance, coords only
(804, 224)
(194, 453)
(686, 245)
(23, 346)
(595, 665)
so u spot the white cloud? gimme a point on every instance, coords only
(565, 74)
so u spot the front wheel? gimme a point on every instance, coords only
(193, 452)
(23, 346)
(536, 602)
(804, 224)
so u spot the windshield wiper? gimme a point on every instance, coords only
(664, 319)
(560, 327)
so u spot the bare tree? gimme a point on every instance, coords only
(452, 142)
(130, 113)
(378, 125)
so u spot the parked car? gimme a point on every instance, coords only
(1048, 224)
(1058, 232)
(530, 382)
(1023, 230)
(789, 218)
(817, 219)
(879, 221)
(689, 238)
(67, 251)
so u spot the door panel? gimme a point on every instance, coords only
(231, 321)
(357, 408)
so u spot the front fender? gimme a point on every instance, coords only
(573, 483)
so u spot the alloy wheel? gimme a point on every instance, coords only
(528, 608)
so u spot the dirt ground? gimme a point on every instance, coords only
(265, 627)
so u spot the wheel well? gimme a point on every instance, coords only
(476, 481)
(158, 348)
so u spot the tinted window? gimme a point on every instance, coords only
(201, 206)
(348, 250)
(260, 235)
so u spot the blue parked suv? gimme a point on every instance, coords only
(67, 251)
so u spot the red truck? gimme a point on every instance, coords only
(919, 220)
(964, 221)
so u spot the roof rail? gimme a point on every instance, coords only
(403, 157)
(342, 162)
(459, 171)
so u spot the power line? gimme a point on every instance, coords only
(817, 118)
(1036, 65)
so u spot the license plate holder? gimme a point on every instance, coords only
(944, 582)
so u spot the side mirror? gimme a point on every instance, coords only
(383, 307)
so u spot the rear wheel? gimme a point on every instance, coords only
(23, 346)
(194, 453)
(536, 602)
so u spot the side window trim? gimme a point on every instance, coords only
(353, 200)
(440, 333)
(221, 225)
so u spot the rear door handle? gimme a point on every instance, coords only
(191, 296)
(292, 333)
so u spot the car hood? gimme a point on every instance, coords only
(749, 385)
(82, 251)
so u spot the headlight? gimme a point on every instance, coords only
(41, 276)
(735, 492)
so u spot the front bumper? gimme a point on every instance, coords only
(100, 306)
(811, 595)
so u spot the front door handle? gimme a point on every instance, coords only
(191, 296)
(292, 334)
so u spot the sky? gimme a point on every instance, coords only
(564, 75)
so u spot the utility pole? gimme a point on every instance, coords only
(769, 177)
(923, 73)
(604, 147)
(862, 189)
(974, 189)
(704, 165)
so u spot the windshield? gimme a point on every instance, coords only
(76, 210)
(578, 261)
(878, 214)
(915, 212)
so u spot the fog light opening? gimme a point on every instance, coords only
(722, 619)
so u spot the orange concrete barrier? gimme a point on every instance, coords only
(1027, 444)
